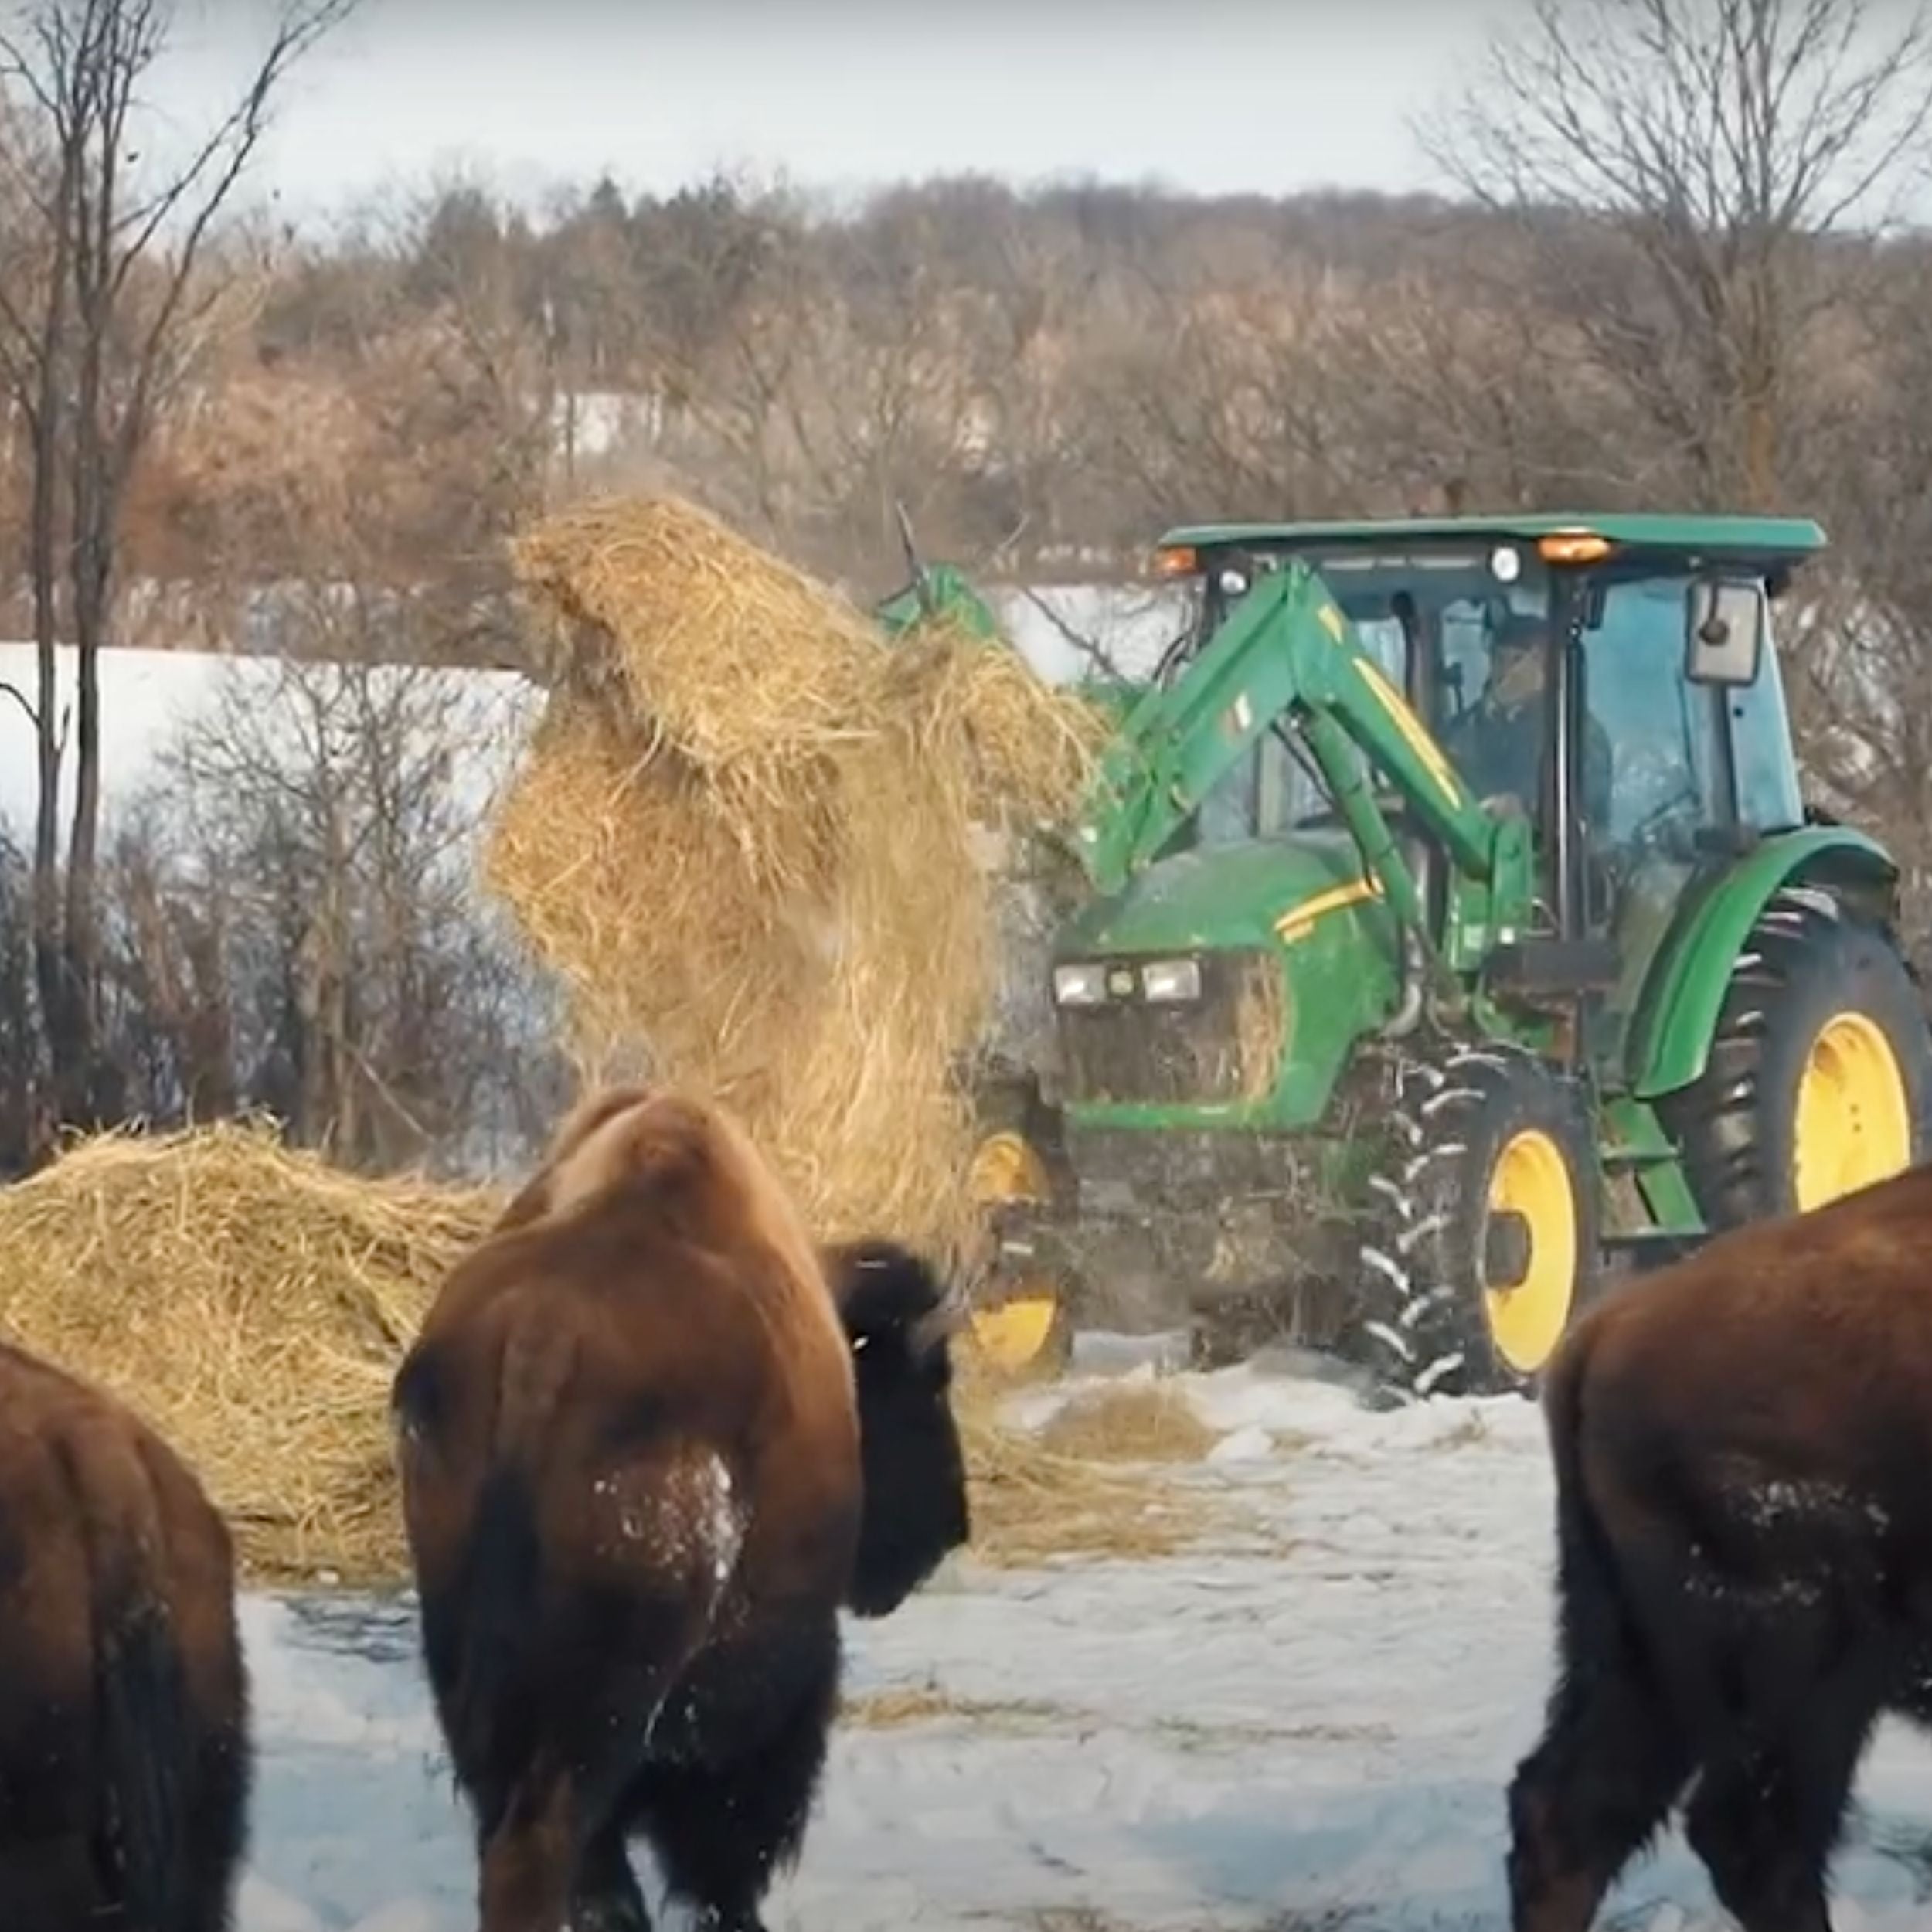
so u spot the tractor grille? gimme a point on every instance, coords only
(1225, 1046)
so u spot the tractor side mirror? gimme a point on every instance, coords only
(1724, 632)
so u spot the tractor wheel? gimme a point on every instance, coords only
(1484, 1237)
(1026, 1328)
(1820, 1075)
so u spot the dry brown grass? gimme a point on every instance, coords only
(932, 1703)
(1084, 1918)
(743, 837)
(928, 1704)
(252, 1303)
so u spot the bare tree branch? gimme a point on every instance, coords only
(1694, 179)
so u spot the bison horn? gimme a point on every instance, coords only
(945, 1320)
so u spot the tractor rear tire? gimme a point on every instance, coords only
(1819, 1081)
(1484, 1235)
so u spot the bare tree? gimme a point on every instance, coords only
(1695, 178)
(310, 938)
(111, 288)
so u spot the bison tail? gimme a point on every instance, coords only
(477, 1631)
(477, 1612)
(146, 1737)
(1597, 1631)
(147, 1742)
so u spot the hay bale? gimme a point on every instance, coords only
(744, 837)
(252, 1304)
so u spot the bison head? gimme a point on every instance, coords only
(900, 1322)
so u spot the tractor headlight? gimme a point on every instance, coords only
(1082, 983)
(1169, 981)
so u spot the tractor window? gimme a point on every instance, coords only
(1650, 734)
(1492, 660)
(1462, 660)
(1272, 791)
(1768, 796)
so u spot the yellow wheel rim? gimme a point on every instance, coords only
(1853, 1124)
(1006, 1169)
(1531, 1178)
(1012, 1334)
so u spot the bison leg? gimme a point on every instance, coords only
(50, 1884)
(1600, 1782)
(218, 1835)
(607, 1898)
(723, 1834)
(1765, 1818)
(529, 1856)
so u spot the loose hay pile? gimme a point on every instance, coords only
(252, 1303)
(744, 837)
(1134, 1422)
(1037, 1497)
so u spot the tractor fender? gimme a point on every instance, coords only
(1677, 1013)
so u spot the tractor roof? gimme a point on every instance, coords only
(1783, 538)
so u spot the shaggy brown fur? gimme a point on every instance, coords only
(125, 1758)
(1742, 1445)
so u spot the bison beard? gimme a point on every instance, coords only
(125, 1764)
(1744, 1560)
(638, 1435)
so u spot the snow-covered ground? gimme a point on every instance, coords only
(1310, 1739)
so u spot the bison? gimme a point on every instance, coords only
(125, 1766)
(651, 1440)
(1743, 1453)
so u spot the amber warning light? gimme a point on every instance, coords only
(1176, 560)
(1572, 546)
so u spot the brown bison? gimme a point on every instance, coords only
(124, 1759)
(1742, 1451)
(651, 1440)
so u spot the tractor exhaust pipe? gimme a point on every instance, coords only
(915, 564)
(1414, 967)
(1408, 1014)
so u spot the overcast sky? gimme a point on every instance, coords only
(1209, 95)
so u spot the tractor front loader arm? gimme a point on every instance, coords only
(1286, 652)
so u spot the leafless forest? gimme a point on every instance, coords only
(1678, 271)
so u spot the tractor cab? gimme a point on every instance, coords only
(1614, 684)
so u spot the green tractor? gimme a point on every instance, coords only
(1456, 938)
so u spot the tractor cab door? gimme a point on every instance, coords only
(1649, 753)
